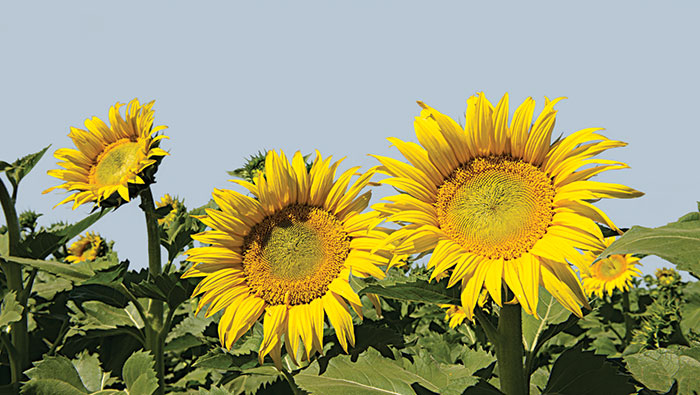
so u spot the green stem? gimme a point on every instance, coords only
(292, 384)
(13, 274)
(486, 325)
(509, 350)
(629, 324)
(154, 325)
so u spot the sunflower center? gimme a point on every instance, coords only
(292, 256)
(612, 267)
(119, 159)
(496, 206)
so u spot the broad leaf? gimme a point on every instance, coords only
(370, 374)
(90, 372)
(582, 372)
(166, 287)
(417, 291)
(138, 374)
(55, 374)
(253, 379)
(449, 378)
(690, 310)
(11, 309)
(658, 369)
(677, 242)
(550, 312)
(60, 269)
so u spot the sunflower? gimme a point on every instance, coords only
(499, 204)
(667, 277)
(454, 314)
(604, 275)
(88, 248)
(176, 207)
(109, 159)
(287, 254)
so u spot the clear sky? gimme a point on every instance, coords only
(231, 78)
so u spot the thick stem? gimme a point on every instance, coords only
(509, 350)
(629, 324)
(154, 325)
(13, 274)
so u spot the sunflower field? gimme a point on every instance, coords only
(487, 268)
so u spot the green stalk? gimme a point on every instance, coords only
(509, 350)
(13, 274)
(154, 325)
(628, 319)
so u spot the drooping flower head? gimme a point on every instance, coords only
(605, 275)
(500, 204)
(110, 159)
(286, 254)
(87, 248)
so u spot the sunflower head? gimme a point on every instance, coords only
(500, 205)
(606, 275)
(286, 254)
(89, 247)
(176, 208)
(667, 277)
(110, 162)
(454, 315)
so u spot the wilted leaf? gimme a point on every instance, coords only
(677, 242)
(370, 374)
(582, 372)
(138, 373)
(658, 369)
(11, 309)
(417, 291)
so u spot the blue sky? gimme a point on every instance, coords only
(231, 78)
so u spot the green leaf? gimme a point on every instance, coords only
(677, 242)
(90, 371)
(582, 372)
(417, 291)
(690, 310)
(21, 167)
(213, 391)
(53, 375)
(370, 374)
(44, 243)
(60, 269)
(11, 309)
(550, 311)
(658, 369)
(169, 288)
(254, 378)
(138, 373)
(449, 378)
(47, 285)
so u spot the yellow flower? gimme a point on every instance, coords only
(499, 204)
(667, 276)
(109, 159)
(603, 276)
(287, 253)
(176, 206)
(455, 315)
(88, 248)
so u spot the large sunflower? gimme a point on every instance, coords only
(603, 276)
(109, 158)
(499, 204)
(287, 253)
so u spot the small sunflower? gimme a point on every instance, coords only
(667, 276)
(88, 248)
(109, 159)
(454, 315)
(176, 207)
(287, 254)
(603, 276)
(499, 204)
